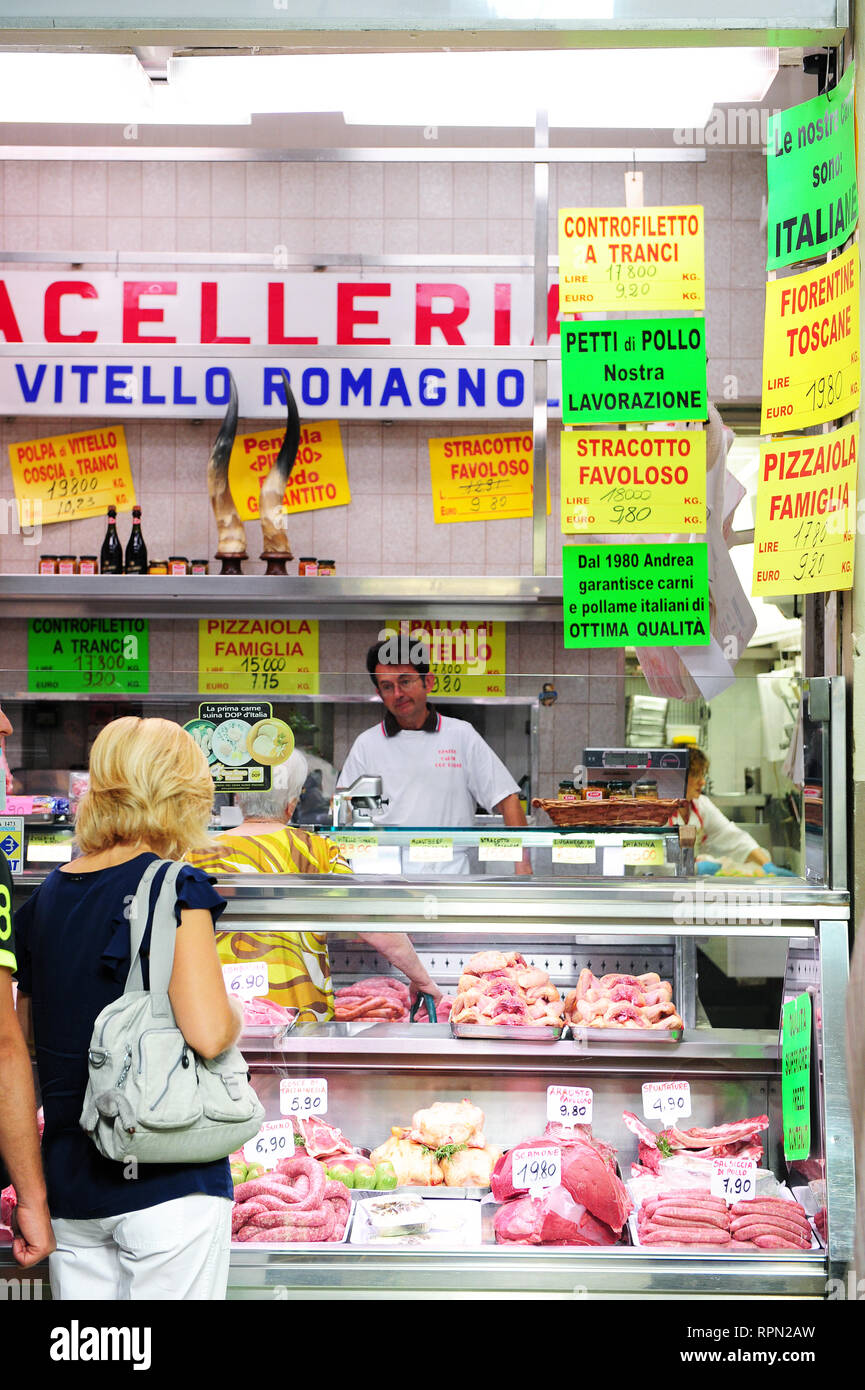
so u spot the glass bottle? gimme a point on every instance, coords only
(136, 550)
(111, 554)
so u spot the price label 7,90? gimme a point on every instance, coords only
(666, 1100)
(246, 981)
(734, 1179)
(537, 1168)
(570, 1105)
(275, 1140)
(303, 1097)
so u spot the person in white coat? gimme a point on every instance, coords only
(718, 838)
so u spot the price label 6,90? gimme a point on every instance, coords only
(537, 1168)
(303, 1097)
(570, 1105)
(275, 1140)
(734, 1179)
(246, 981)
(666, 1100)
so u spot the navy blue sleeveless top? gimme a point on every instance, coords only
(72, 944)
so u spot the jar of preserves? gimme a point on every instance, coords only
(67, 564)
(327, 567)
(307, 564)
(567, 791)
(621, 788)
(595, 791)
(178, 564)
(48, 564)
(199, 566)
(646, 791)
(157, 567)
(88, 564)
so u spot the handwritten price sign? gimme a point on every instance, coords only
(275, 1140)
(734, 1179)
(246, 981)
(303, 1097)
(666, 1100)
(570, 1105)
(536, 1169)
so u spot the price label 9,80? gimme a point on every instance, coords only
(570, 1105)
(666, 1100)
(537, 1168)
(303, 1097)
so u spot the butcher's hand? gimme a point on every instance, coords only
(33, 1237)
(427, 986)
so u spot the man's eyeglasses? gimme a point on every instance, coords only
(401, 683)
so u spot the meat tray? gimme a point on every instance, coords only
(502, 1033)
(735, 1247)
(655, 1036)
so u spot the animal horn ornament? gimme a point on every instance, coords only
(274, 533)
(231, 535)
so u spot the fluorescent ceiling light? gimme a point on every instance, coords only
(588, 89)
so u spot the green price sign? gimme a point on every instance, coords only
(813, 201)
(91, 654)
(644, 369)
(796, 1076)
(636, 595)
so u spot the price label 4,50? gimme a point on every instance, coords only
(303, 1097)
(246, 981)
(274, 1141)
(537, 1168)
(570, 1105)
(666, 1100)
(734, 1179)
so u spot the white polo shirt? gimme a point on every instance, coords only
(430, 779)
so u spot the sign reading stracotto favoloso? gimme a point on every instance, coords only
(636, 595)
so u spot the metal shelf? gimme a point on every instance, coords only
(501, 597)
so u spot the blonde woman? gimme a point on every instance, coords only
(126, 1231)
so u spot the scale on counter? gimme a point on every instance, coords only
(668, 767)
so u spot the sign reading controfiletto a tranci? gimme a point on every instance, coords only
(98, 654)
(636, 595)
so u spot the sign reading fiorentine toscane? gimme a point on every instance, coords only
(617, 258)
(633, 481)
(636, 595)
(645, 369)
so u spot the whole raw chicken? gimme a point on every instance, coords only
(448, 1123)
(470, 1167)
(501, 989)
(414, 1165)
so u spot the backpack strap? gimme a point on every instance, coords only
(162, 933)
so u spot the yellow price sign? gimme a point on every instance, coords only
(68, 477)
(625, 259)
(805, 513)
(643, 852)
(633, 481)
(318, 478)
(568, 850)
(467, 659)
(248, 656)
(484, 477)
(811, 346)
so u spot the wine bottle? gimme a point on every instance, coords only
(111, 554)
(136, 550)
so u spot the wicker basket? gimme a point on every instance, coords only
(627, 810)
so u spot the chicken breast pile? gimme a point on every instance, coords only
(503, 989)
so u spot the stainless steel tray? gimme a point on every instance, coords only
(544, 1033)
(463, 1194)
(654, 1036)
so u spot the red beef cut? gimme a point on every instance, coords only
(554, 1219)
(587, 1174)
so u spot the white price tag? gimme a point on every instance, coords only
(734, 1179)
(275, 1140)
(613, 862)
(431, 849)
(568, 850)
(246, 981)
(302, 1097)
(570, 1105)
(666, 1100)
(508, 847)
(538, 1168)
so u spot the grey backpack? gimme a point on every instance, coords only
(150, 1097)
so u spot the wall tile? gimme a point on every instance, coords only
(747, 325)
(193, 190)
(714, 186)
(228, 193)
(366, 235)
(54, 191)
(679, 185)
(21, 182)
(89, 189)
(296, 190)
(159, 188)
(55, 233)
(470, 236)
(331, 184)
(400, 236)
(470, 190)
(263, 234)
(436, 191)
(193, 233)
(124, 234)
(748, 258)
(750, 186)
(124, 190)
(262, 191)
(158, 233)
(366, 190)
(20, 233)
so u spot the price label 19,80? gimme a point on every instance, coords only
(246, 981)
(303, 1097)
(274, 1141)
(536, 1168)
(666, 1100)
(570, 1105)
(734, 1179)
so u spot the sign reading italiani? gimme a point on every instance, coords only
(68, 477)
(805, 513)
(636, 595)
(643, 369)
(813, 199)
(811, 346)
(623, 258)
(318, 478)
(633, 480)
(245, 656)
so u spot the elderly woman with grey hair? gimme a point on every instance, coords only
(265, 842)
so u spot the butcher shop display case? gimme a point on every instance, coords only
(457, 1134)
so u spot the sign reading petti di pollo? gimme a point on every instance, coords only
(811, 346)
(622, 258)
(633, 480)
(645, 369)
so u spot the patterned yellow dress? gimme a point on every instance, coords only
(297, 964)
